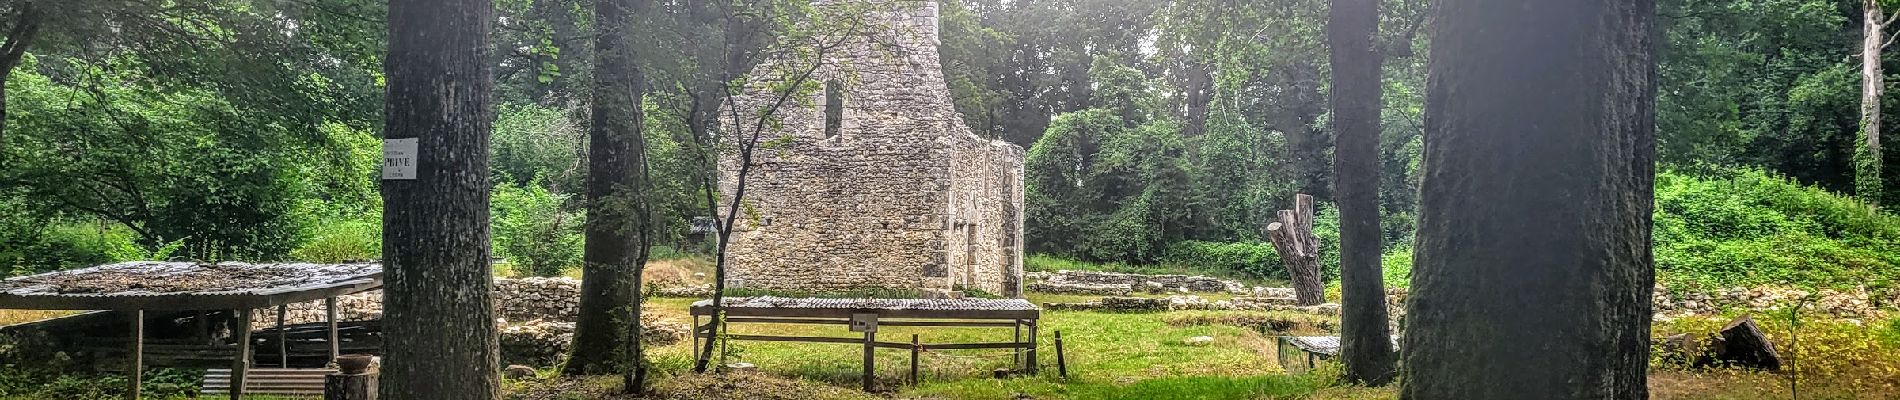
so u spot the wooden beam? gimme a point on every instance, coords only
(137, 373)
(329, 315)
(242, 365)
(881, 313)
(283, 343)
(870, 358)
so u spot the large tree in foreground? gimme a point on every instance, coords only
(1533, 268)
(614, 254)
(439, 331)
(1365, 336)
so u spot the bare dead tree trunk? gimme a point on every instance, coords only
(1365, 337)
(1534, 269)
(1873, 82)
(615, 164)
(1293, 239)
(439, 325)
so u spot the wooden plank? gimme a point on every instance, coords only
(242, 364)
(137, 372)
(882, 313)
(329, 318)
(948, 324)
(811, 321)
(972, 346)
(870, 358)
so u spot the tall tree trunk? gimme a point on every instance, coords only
(1365, 336)
(19, 37)
(1873, 82)
(439, 325)
(1533, 269)
(615, 163)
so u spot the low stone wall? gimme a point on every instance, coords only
(515, 300)
(536, 317)
(1108, 283)
(1859, 303)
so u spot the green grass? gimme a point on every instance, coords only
(1106, 353)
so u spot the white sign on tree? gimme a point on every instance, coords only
(399, 158)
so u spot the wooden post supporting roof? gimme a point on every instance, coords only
(242, 364)
(137, 373)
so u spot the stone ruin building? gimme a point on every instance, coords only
(874, 181)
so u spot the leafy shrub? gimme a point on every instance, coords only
(534, 230)
(31, 250)
(342, 241)
(1751, 228)
(1255, 259)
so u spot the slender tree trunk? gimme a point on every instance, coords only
(615, 163)
(439, 326)
(1365, 336)
(1533, 269)
(1873, 82)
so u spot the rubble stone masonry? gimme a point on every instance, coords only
(870, 180)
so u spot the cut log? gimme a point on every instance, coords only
(1292, 237)
(1742, 343)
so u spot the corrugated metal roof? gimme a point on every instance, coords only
(186, 285)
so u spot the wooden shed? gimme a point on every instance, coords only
(133, 288)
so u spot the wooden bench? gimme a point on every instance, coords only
(296, 382)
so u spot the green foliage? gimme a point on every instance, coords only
(533, 230)
(535, 142)
(1255, 259)
(343, 240)
(1754, 228)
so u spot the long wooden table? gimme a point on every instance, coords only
(865, 315)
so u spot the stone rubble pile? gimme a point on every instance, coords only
(543, 342)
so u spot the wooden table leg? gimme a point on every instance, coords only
(1030, 357)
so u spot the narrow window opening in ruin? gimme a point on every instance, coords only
(834, 108)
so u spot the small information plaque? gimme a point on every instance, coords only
(399, 158)
(864, 322)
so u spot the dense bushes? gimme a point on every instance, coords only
(534, 231)
(1751, 228)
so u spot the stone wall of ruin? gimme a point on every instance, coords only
(875, 203)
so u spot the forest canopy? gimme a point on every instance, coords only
(1158, 131)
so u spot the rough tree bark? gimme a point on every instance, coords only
(1293, 240)
(439, 325)
(1873, 82)
(615, 163)
(1365, 337)
(1533, 269)
(19, 37)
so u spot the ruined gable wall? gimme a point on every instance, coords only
(865, 208)
(986, 203)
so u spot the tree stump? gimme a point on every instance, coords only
(349, 386)
(1293, 239)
